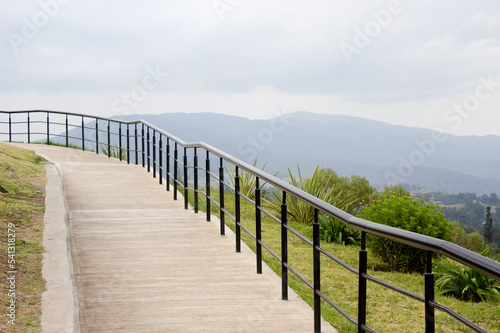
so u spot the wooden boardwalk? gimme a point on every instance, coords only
(142, 263)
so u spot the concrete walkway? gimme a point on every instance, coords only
(144, 264)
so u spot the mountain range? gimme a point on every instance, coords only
(381, 152)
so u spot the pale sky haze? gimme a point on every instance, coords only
(432, 64)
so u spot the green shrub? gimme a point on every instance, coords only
(354, 188)
(334, 231)
(464, 282)
(407, 213)
(395, 190)
(301, 211)
(473, 241)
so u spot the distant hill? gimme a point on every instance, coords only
(381, 152)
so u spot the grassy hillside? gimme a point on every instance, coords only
(22, 194)
(387, 311)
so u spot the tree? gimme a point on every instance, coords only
(488, 227)
(495, 200)
(407, 213)
(470, 214)
(472, 241)
(356, 188)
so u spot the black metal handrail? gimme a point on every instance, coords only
(150, 146)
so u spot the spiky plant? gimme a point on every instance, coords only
(114, 151)
(248, 182)
(334, 231)
(464, 282)
(314, 185)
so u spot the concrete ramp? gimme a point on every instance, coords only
(144, 264)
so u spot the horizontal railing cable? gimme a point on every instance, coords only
(297, 274)
(336, 307)
(395, 288)
(251, 234)
(457, 316)
(271, 216)
(338, 261)
(247, 199)
(277, 257)
(298, 234)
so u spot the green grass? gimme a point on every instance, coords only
(387, 311)
(52, 143)
(464, 282)
(22, 186)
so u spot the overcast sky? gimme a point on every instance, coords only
(433, 64)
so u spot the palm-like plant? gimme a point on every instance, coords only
(248, 182)
(116, 152)
(464, 282)
(314, 185)
(334, 231)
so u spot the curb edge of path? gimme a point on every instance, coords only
(60, 307)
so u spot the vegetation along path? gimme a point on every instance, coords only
(144, 264)
(22, 184)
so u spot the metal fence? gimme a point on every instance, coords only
(144, 144)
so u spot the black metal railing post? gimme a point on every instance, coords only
(317, 273)
(83, 133)
(28, 123)
(136, 148)
(186, 193)
(363, 262)
(429, 296)
(167, 172)
(175, 170)
(284, 249)
(153, 144)
(128, 144)
(207, 185)
(97, 136)
(120, 141)
(160, 160)
(67, 135)
(258, 226)
(48, 129)
(221, 197)
(142, 148)
(148, 152)
(10, 127)
(237, 208)
(195, 177)
(109, 139)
